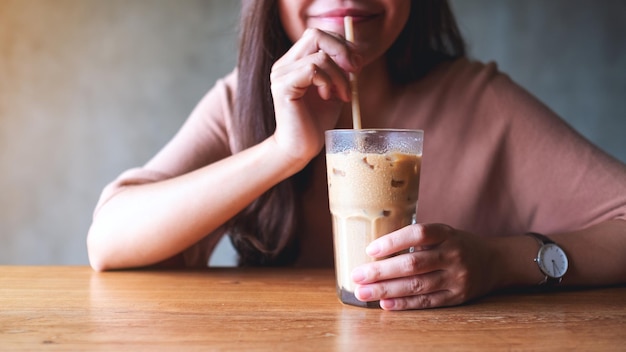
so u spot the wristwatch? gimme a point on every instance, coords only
(551, 259)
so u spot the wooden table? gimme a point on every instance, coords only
(74, 308)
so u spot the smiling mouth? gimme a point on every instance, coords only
(338, 15)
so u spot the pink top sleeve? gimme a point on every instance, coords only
(499, 162)
(560, 180)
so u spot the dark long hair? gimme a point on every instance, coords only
(263, 233)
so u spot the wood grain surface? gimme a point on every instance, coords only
(75, 308)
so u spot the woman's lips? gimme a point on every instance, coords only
(338, 15)
(333, 20)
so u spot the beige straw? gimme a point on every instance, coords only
(356, 110)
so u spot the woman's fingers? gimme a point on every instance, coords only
(448, 268)
(319, 59)
(403, 287)
(314, 40)
(402, 265)
(309, 86)
(431, 289)
(415, 292)
(418, 237)
(430, 300)
(317, 69)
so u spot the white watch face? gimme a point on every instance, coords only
(552, 260)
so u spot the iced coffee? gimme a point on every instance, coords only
(373, 182)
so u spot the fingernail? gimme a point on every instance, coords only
(363, 293)
(358, 275)
(373, 249)
(387, 304)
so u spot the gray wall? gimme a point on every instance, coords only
(89, 88)
(569, 53)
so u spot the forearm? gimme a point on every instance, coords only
(596, 257)
(148, 223)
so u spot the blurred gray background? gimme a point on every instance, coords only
(89, 88)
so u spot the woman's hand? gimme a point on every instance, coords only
(447, 267)
(309, 87)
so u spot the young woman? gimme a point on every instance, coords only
(248, 162)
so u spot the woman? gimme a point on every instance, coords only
(248, 162)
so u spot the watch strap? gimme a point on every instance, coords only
(543, 240)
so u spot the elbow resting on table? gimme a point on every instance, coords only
(97, 259)
(102, 255)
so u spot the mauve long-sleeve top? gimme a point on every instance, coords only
(496, 162)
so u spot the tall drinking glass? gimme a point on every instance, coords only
(373, 182)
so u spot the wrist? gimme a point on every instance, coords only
(513, 262)
(290, 162)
